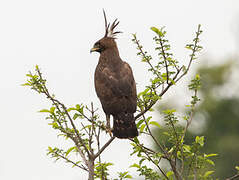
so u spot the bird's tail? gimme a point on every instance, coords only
(124, 125)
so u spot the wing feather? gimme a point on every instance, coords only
(116, 90)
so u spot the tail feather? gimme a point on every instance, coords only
(124, 125)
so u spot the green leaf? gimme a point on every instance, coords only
(171, 150)
(237, 168)
(26, 84)
(128, 176)
(141, 161)
(136, 140)
(166, 133)
(197, 76)
(186, 148)
(169, 173)
(123, 175)
(189, 46)
(37, 68)
(199, 140)
(156, 30)
(70, 149)
(54, 125)
(52, 109)
(76, 163)
(50, 149)
(135, 165)
(71, 109)
(142, 127)
(210, 162)
(78, 107)
(109, 164)
(29, 75)
(155, 124)
(139, 123)
(76, 115)
(143, 93)
(45, 110)
(210, 155)
(208, 173)
(87, 127)
(172, 81)
(169, 111)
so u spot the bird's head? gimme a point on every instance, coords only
(108, 41)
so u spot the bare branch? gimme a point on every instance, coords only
(103, 148)
(75, 164)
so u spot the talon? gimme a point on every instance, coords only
(108, 130)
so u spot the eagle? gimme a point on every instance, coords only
(115, 85)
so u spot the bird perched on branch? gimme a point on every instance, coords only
(115, 85)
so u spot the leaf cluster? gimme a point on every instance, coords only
(184, 160)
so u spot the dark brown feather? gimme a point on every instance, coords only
(115, 86)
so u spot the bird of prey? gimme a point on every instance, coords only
(115, 85)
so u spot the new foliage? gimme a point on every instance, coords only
(83, 126)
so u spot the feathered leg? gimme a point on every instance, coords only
(124, 125)
(108, 129)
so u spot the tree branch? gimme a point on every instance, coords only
(103, 148)
(145, 57)
(161, 94)
(233, 177)
(157, 166)
(164, 57)
(194, 50)
(75, 164)
(55, 102)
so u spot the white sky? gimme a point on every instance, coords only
(57, 35)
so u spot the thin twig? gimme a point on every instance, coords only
(189, 121)
(81, 153)
(164, 57)
(161, 94)
(142, 146)
(174, 168)
(192, 55)
(190, 165)
(75, 164)
(55, 101)
(145, 57)
(233, 177)
(103, 148)
(156, 164)
(91, 131)
(155, 140)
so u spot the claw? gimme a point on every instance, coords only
(108, 130)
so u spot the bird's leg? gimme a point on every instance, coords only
(108, 129)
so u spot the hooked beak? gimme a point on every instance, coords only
(94, 49)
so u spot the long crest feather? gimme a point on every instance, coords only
(109, 30)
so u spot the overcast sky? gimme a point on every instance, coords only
(57, 35)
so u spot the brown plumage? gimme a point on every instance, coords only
(115, 85)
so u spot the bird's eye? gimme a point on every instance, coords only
(97, 44)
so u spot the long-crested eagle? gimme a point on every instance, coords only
(115, 85)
